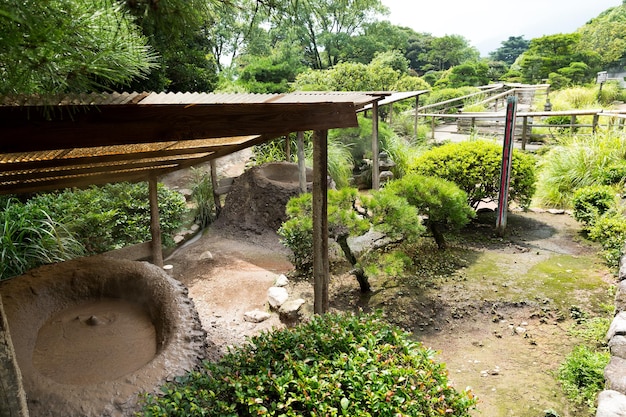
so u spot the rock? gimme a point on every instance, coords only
(611, 404)
(617, 346)
(256, 316)
(520, 330)
(178, 239)
(615, 374)
(277, 296)
(556, 211)
(281, 281)
(290, 311)
(206, 256)
(620, 296)
(622, 268)
(364, 243)
(194, 227)
(618, 326)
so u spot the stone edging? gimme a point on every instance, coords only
(612, 401)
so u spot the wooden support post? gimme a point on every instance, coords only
(301, 162)
(375, 167)
(215, 186)
(391, 113)
(572, 123)
(524, 132)
(155, 227)
(287, 148)
(12, 395)
(320, 222)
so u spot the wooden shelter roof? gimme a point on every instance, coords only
(55, 142)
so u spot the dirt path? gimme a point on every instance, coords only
(496, 309)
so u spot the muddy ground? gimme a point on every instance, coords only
(497, 309)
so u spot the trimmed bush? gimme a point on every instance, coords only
(610, 231)
(475, 167)
(335, 365)
(442, 202)
(591, 202)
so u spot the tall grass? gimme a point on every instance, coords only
(30, 238)
(578, 161)
(202, 195)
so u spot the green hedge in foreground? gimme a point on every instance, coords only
(335, 365)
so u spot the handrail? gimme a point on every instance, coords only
(452, 100)
(596, 113)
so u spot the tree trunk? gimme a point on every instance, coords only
(358, 272)
(438, 235)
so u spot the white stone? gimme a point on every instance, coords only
(256, 316)
(611, 404)
(281, 281)
(206, 256)
(277, 296)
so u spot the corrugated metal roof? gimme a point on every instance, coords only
(51, 142)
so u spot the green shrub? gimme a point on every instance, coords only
(475, 167)
(442, 202)
(335, 365)
(29, 237)
(610, 231)
(444, 94)
(591, 202)
(582, 376)
(562, 122)
(614, 173)
(114, 215)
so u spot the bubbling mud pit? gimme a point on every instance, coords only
(92, 333)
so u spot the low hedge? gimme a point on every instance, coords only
(335, 365)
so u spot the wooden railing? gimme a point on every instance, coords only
(526, 121)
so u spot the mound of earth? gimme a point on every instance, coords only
(256, 202)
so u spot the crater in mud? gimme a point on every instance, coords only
(92, 333)
(94, 342)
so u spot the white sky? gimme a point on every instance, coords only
(486, 23)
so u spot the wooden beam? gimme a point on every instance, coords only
(320, 222)
(33, 128)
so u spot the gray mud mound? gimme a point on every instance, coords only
(91, 333)
(257, 200)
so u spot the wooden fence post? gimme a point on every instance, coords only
(375, 167)
(301, 162)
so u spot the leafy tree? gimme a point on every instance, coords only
(606, 36)
(376, 37)
(472, 73)
(67, 45)
(419, 44)
(325, 26)
(551, 53)
(510, 49)
(176, 29)
(273, 73)
(475, 167)
(448, 51)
